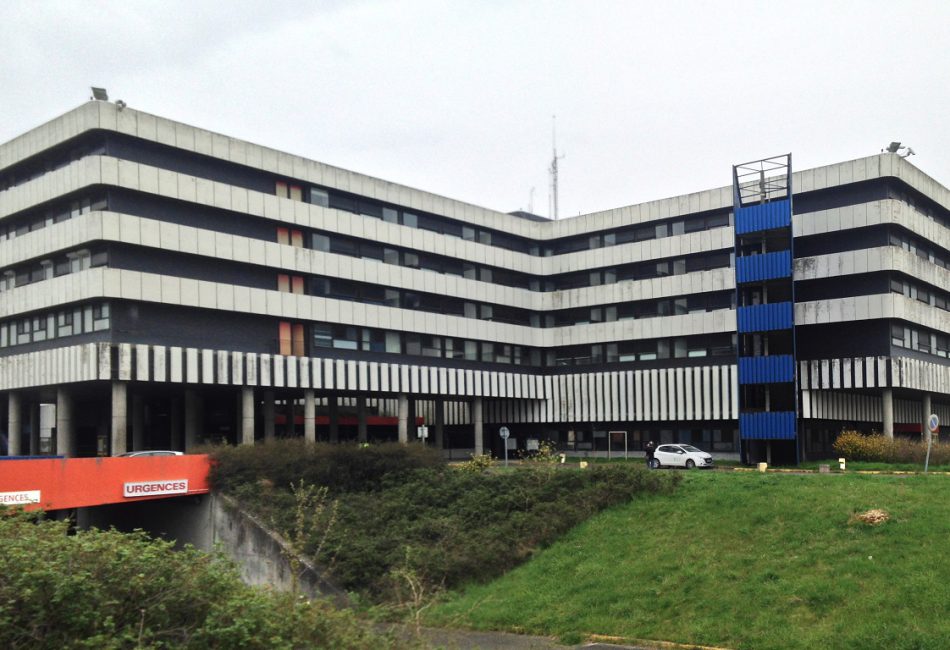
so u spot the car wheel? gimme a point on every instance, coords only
(656, 464)
(690, 464)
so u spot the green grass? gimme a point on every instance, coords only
(743, 561)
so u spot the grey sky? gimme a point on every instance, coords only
(652, 99)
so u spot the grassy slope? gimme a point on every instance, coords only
(745, 561)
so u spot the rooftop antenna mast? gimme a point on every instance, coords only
(553, 169)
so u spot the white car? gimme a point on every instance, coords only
(686, 456)
(150, 452)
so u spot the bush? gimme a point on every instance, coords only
(877, 448)
(340, 468)
(105, 589)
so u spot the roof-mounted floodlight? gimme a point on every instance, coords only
(893, 147)
(100, 94)
(119, 104)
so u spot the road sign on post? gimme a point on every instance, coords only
(423, 433)
(504, 433)
(933, 425)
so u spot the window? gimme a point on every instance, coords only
(319, 197)
(322, 335)
(320, 243)
(100, 316)
(298, 340)
(287, 191)
(284, 338)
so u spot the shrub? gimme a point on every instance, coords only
(105, 589)
(478, 464)
(880, 449)
(340, 468)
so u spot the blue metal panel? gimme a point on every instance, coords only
(776, 425)
(764, 318)
(755, 268)
(765, 216)
(766, 370)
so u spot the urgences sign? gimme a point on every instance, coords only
(154, 488)
(19, 498)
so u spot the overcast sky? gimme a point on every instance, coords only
(653, 99)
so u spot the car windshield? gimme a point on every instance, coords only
(691, 448)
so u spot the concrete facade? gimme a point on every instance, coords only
(166, 286)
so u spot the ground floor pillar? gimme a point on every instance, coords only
(247, 416)
(120, 425)
(65, 435)
(478, 425)
(403, 411)
(309, 416)
(14, 425)
(888, 399)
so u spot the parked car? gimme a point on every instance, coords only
(150, 452)
(686, 456)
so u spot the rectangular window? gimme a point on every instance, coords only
(390, 215)
(296, 194)
(284, 338)
(296, 238)
(393, 343)
(64, 322)
(298, 340)
(100, 316)
(283, 282)
(281, 190)
(345, 337)
(413, 344)
(322, 335)
(319, 197)
(283, 236)
(296, 284)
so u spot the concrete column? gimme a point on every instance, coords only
(269, 413)
(192, 419)
(403, 401)
(479, 426)
(247, 415)
(14, 424)
(333, 410)
(925, 431)
(65, 437)
(888, 399)
(120, 425)
(439, 424)
(138, 423)
(361, 430)
(309, 416)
